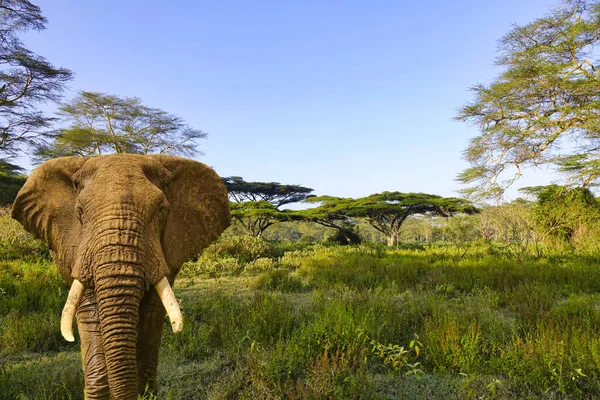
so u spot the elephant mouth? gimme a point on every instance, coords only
(163, 288)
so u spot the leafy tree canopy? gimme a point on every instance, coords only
(559, 211)
(332, 212)
(544, 108)
(272, 192)
(386, 211)
(26, 79)
(98, 123)
(257, 216)
(256, 204)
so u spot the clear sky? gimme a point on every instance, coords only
(347, 97)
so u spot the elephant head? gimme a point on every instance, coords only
(119, 228)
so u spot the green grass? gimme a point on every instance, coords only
(339, 323)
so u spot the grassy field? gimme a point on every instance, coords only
(274, 321)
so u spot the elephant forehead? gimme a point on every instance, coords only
(121, 182)
(119, 168)
(124, 188)
(117, 162)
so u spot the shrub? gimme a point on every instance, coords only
(215, 268)
(280, 280)
(243, 248)
(15, 243)
(10, 184)
(259, 266)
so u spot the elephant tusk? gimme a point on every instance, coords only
(170, 302)
(68, 312)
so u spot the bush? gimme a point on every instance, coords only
(259, 266)
(243, 248)
(10, 184)
(16, 243)
(208, 268)
(279, 280)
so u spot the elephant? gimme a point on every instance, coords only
(119, 228)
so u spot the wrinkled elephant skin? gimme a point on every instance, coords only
(119, 228)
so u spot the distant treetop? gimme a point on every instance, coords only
(386, 211)
(272, 192)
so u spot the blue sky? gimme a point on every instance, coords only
(346, 97)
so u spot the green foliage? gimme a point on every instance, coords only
(260, 265)
(257, 216)
(243, 248)
(48, 377)
(31, 298)
(99, 123)
(227, 266)
(397, 357)
(543, 108)
(341, 322)
(10, 184)
(563, 212)
(26, 79)
(279, 280)
(256, 205)
(297, 231)
(272, 192)
(386, 212)
(230, 256)
(15, 243)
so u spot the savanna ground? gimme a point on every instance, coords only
(308, 321)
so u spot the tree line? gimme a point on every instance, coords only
(547, 219)
(546, 216)
(256, 206)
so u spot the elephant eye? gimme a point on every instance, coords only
(80, 213)
(163, 206)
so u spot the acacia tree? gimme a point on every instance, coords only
(257, 216)
(256, 205)
(387, 211)
(272, 192)
(26, 79)
(332, 212)
(548, 95)
(99, 123)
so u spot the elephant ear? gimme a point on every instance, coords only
(45, 206)
(199, 209)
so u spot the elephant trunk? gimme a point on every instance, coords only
(119, 289)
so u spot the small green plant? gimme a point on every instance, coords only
(397, 357)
